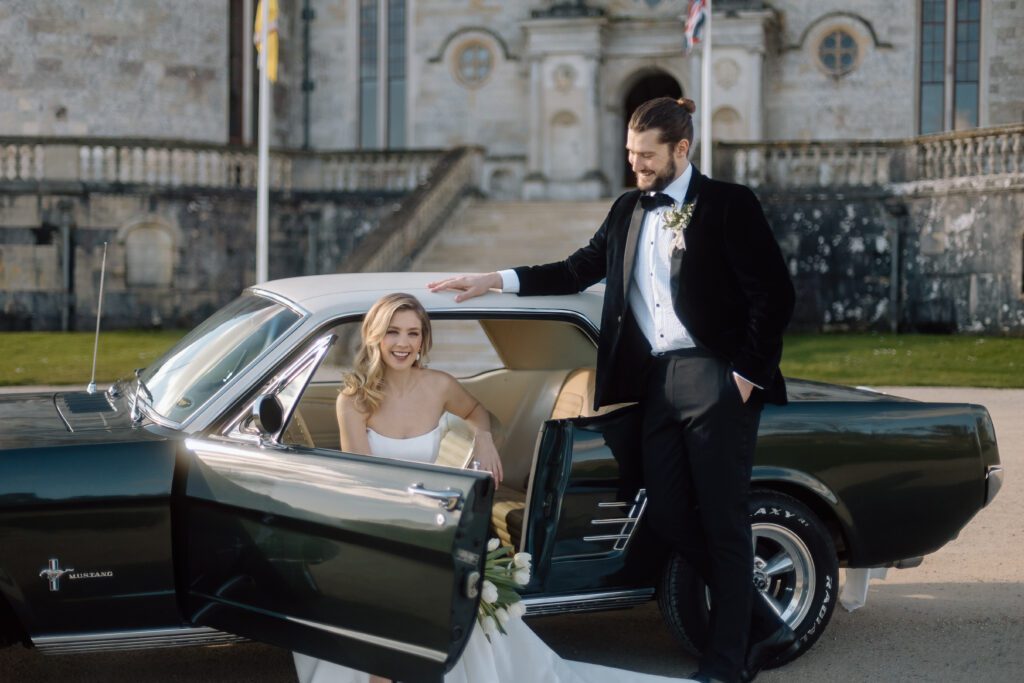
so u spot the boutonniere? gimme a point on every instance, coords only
(677, 221)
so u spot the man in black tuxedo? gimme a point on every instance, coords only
(692, 328)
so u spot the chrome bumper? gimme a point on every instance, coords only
(993, 482)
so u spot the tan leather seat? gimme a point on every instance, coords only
(575, 399)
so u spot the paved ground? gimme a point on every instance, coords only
(958, 617)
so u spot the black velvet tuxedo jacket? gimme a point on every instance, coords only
(730, 288)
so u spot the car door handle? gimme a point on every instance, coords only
(449, 499)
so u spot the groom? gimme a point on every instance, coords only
(697, 298)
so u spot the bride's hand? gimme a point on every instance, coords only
(486, 454)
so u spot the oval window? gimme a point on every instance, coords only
(838, 53)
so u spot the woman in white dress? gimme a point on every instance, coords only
(392, 406)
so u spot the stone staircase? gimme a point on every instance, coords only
(489, 235)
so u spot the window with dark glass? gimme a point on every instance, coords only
(396, 73)
(968, 49)
(838, 53)
(368, 93)
(950, 65)
(933, 65)
(382, 72)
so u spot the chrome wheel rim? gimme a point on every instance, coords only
(784, 575)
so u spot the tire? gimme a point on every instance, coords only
(805, 593)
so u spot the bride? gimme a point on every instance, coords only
(392, 406)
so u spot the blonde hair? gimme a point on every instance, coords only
(366, 381)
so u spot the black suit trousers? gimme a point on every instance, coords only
(698, 449)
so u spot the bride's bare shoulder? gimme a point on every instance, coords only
(348, 404)
(438, 378)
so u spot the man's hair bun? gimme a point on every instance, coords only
(689, 105)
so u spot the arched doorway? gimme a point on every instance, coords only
(658, 84)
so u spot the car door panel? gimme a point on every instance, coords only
(337, 556)
(588, 479)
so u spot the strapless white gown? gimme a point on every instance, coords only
(512, 658)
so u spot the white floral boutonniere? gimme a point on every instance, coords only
(676, 220)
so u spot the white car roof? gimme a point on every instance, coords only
(327, 295)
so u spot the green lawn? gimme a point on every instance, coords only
(66, 357)
(869, 359)
(906, 360)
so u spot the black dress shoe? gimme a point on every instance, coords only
(781, 643)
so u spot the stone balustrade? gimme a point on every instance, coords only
(788, 164)
(807, 164)
(989, 151)
(98, 162)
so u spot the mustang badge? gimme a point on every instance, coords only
(53, 573)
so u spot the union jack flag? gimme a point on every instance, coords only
(694, 23)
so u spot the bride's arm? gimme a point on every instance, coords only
(352, 426)
(460, 402)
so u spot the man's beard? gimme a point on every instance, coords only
(663, 178)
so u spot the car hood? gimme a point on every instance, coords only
(74, 417)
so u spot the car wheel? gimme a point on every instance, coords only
(795, 569)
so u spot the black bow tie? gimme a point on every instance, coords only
(652, 201)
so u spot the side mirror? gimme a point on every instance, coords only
(267, 415)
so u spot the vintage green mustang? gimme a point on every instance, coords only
(207, 499)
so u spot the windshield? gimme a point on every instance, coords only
(220, 348)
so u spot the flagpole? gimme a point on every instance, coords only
(705, 95)
(263, 162)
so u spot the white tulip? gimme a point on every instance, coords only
(517, 609)
(503, 616)
(492, 545)
(489, 625)
(521, 576)
(489, 594)
(522, 560)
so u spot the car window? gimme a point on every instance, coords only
(220, 348)
(534, 356)
(461, 348)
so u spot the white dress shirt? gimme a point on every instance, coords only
(650, 296)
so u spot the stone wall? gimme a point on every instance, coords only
(839, 249)
(935, 256)
(962, 255)
(874, 101)
(139, 68)
(1003, 36)
(173, 256)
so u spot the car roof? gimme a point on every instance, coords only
(323, 295)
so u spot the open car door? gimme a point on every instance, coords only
(367, 562)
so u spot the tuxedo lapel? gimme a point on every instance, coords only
(629, 257)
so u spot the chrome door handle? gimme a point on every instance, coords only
(449, 499)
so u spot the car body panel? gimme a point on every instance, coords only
(330, 554)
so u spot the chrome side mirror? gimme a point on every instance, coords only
(267, 416)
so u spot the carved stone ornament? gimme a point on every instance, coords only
(727, 73)
(564, 77)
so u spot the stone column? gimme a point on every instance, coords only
(564, 53)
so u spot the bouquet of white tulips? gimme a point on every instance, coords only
(504, 574)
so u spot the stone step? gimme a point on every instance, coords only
(488, 235)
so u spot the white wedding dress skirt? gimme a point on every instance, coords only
(516, 657)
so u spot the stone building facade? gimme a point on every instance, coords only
(855, 122)
(545, 86)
